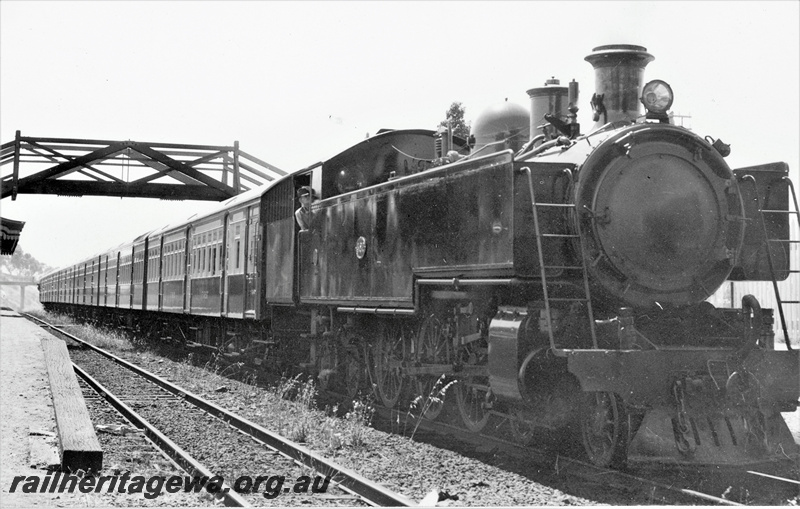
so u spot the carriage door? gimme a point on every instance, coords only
(187, 269)
(251, 266)
(235, 248)
(116, 282)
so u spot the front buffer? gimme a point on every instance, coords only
(698, 407)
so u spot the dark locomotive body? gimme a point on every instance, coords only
(560, 279)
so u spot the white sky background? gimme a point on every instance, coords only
(298, 82)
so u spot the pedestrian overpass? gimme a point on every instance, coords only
(167, 171)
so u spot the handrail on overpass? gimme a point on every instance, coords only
(169, 171)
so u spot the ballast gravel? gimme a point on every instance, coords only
(420, 471)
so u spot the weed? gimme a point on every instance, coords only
(423, 403)
(231, 370)
(98, 336)
(107, 339)
(304, 394)
(358, 420)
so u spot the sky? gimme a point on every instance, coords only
(298, 82)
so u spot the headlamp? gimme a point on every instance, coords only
(657, 96)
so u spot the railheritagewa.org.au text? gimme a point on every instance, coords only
(270, 486)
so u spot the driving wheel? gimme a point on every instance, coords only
(472, 392)
(434, 346)
(388, 354)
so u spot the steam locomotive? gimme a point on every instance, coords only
(559, 278)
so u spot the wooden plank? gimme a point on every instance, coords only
(78, 445)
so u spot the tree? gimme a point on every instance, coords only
(455, 117)
(22, 264)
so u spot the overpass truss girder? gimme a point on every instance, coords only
(169, 171)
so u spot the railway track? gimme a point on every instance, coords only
(561, 470)
(551, 469)
(147, 398)
(180, 456)
(638, 486)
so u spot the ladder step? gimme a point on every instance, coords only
(564, 299)
(790, 302)
(561, 235)
(566, 267)
(784, 241)
(780, 211)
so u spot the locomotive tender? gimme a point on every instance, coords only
(559, 278)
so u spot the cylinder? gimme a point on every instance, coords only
(551, 98)
(619, 78)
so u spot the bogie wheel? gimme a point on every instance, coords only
(604, 428)
(388, 352)
(434, 346)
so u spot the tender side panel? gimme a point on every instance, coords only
(365, 247)
(551, 184)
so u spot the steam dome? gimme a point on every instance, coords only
(500, 127)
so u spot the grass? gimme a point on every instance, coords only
(422, 403)
(359, 419)
(305, 416)
(100, 337)
(289, 407)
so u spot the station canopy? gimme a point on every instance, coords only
(9, 235)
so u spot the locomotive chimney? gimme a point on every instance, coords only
(619, 78)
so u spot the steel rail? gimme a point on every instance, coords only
(775, 477)
(229, 497)
(372, 492)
